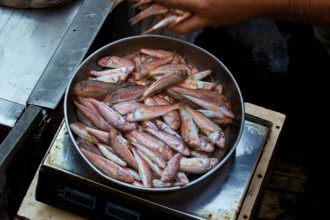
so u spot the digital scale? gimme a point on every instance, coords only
(67, 182)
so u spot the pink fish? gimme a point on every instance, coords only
(149, 112)
(108, 167)
(170, 172)
(144, 169)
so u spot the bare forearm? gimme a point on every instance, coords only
(226, 12)
(308, 11)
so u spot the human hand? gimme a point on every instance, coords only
(206, 13)
(226, 12)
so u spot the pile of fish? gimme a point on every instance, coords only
(163, 16)
(151, 119)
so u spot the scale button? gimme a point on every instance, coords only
(121, 213)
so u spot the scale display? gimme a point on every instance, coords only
(78, 197)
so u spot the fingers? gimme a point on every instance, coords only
(187, 5)
(191, 24)
(188, 26)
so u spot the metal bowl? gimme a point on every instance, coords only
(195, 55)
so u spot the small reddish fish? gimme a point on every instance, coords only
(197, 153)
(197, 165)
(166, 81)
(148, 112)
(173, 118)
(93, 89)
(153, 166)
(147, 66)
(140, 3)
(121, 147)
(173, 142)
(202, 98)
(153, 9)
(155, 52)
(189, 130)
(162, 23)
(224, 121)
(148, 124)
(205, 144)
(90, 112)
(157, 183)
(199, 75)
(170, 172)
(196, 84)
(126, 107)
(212, 97)
(106, 152)
(83, 119)
(152, 142)
(124, 94)
(133, 173)
(108, 167)
(114, 62)
(182, 178)
(101, 136)
(113, 117)
(80, 130)
(82, 143)
(144, 169)
(120, 70)
(213, 131)
(222, 113)
(164, 127)
(167, 68)
(117, 76)
(152, 154)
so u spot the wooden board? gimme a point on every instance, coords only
(259, 177)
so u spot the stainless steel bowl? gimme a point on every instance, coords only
(195, 55)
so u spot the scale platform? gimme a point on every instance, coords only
(67, 182)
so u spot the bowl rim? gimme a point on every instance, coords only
(229, 153)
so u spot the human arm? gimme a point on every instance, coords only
(225, 12)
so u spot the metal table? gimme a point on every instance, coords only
(39, 51)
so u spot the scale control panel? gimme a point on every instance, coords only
(91, 203)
